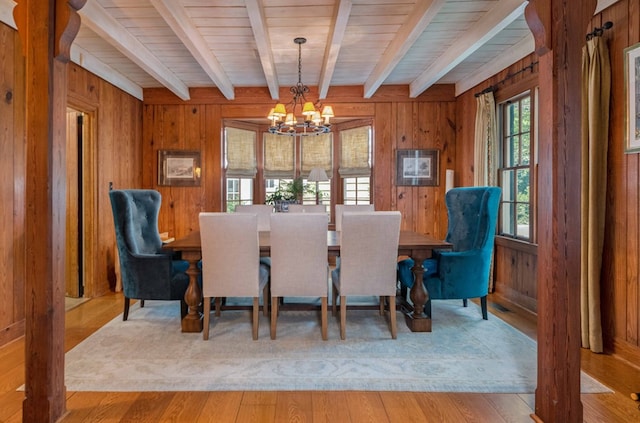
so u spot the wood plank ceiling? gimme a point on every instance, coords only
(179, 44)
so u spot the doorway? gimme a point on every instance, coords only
(74, 256)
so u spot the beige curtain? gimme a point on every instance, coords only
(355, 152)
(316, 151)
(486, 138)
(596, 88)
(241, 153)
(279, 156)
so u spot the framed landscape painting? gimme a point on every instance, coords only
(179, 168)
(417, 167)
(632, 88)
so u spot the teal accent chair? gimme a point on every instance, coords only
(147, 271)
(463, 272)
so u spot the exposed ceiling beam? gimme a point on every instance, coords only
(255, 9)
(418, 21)
(491, 23)
(107, 27)
(504, 60)
(6, 13)
(336, 35)
(91, 63)
(176, 17)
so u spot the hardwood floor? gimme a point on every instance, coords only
(316, 406)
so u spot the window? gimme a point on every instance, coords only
(355, 165)
(240, 166)
(516, 167)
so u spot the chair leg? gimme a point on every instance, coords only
(464, 302)
(274, 316)
(141, 303)
(483, 305)
(323, 318)
(125, 314)
(334, 305)
(343, 317)
(218, 306)
(392, 316)
(206, 302)
(381, 302)
(266, 293)
(256, 314)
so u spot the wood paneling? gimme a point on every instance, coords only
(426, 122)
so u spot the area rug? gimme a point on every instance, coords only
(463, 353)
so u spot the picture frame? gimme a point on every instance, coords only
(632, 95)
(179, 168)
(417, 167)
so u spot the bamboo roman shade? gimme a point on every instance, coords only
(317, 152)
(241, 153)
(355, 152)
(279, 156)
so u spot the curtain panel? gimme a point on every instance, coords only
(240, 146)
(596, 90)
(355, 152)
(486, 141)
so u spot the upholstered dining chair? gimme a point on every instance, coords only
(462, 273)
(263, 211)
(147, 272)
(368, 259)
(307, 208)
(299, 266)
(341, 208)
(230, 263)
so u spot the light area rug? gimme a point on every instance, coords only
(463, 353)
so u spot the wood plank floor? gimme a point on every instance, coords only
(316, 406)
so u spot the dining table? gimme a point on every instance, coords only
(411, 244)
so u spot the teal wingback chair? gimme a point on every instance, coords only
(463, 272)
(147, 272)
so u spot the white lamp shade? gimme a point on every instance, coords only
(317, 174)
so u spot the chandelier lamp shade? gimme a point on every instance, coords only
(300, 116)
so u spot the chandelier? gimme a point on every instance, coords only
(284, 119)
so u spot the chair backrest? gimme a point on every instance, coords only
(135, 213)
(369, 252)
(299, 254)
(230, 254)
(307, 208)
(341, 208)
(472, 213)
(263, 211)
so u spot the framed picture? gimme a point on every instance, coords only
(417, 167)
(632, 88)
(179, 168)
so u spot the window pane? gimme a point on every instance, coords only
(507, 185)
(523, 185)
(357, 190)
(526, 114)
(526, 149)
(507, 224)
(513, 119)
(523, 221)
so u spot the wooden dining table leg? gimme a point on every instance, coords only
(417, 320)
(192, 322)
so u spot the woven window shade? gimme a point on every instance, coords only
(354, 152)
(279, 156)
(317, 151)
(241, 153)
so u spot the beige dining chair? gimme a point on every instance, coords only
(307, 208)
(299, 265)
(231, 263)
(368, 259)
(263, 211)
(341, 208)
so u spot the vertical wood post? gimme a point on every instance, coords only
(46, 29)
(559, 28)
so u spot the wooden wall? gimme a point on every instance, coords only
(12, 186)
(115, 155)
(398, 123)
(515, 263)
